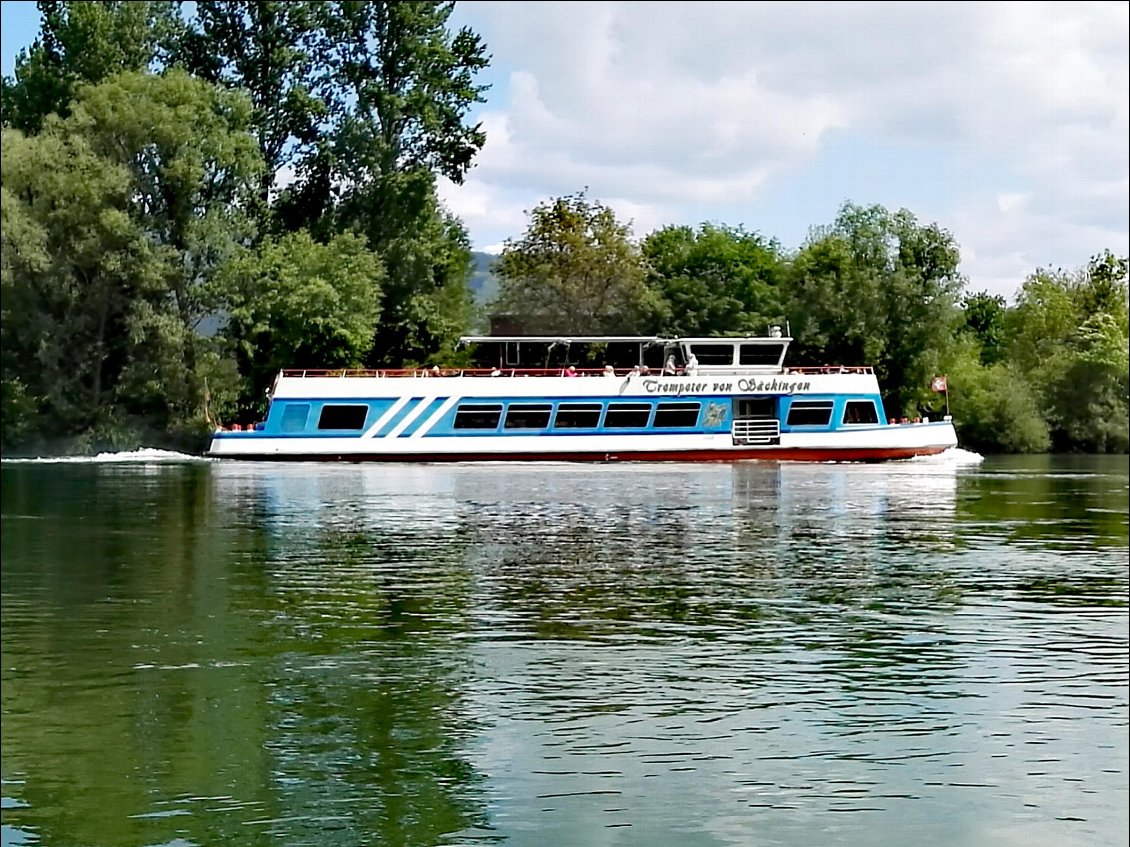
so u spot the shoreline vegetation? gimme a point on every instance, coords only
(190, 204)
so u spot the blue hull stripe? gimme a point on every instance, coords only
(423, 417)
(391, 423)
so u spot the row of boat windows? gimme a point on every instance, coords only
(674, 415)
(576, 415)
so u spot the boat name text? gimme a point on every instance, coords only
(774, 385)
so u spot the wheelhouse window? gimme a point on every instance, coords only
(577, 416)
(294, 417)
(478, 416)
(527, 416)
(343, 417)
(627, 415)
(860, 412)
(714, 354)
(761, 354)
(810, 413)
(677, 414)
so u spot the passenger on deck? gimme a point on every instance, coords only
(635, 371)
(570, 371)
(496, 372)
(609, 370)
(692, 365)
(670, 368)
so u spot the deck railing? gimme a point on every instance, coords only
(539, 372)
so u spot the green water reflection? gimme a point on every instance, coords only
(199, 653)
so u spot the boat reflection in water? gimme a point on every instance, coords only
(548, 499)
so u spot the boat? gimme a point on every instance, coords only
(549, 398)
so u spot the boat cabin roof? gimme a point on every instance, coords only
(719, 352)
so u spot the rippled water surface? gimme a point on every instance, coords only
(920, 653)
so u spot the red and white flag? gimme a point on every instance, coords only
(939, 384)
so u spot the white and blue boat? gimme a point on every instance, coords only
(540, 398)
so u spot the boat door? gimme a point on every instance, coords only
(755, 420)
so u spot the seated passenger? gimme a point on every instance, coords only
(570, 371)
(609, 370)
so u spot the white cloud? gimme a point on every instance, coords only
(1004, 123)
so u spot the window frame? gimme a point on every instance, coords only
(596, 409)
(464, 419)
(676, 407)
(799, 407)
(517, 409)
(870, 404)
(625, 409)
(339, 409)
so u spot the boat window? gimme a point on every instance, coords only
(478, 416)
(860, 412)
(677, 414)
(294, 417)
(761, 354)
(810, 413)
(577, 416)
(713, 354)
(620, 415)
(343, 417)
(527, 416)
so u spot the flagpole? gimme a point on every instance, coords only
(946, 377)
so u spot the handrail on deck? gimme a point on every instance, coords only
(589, 372)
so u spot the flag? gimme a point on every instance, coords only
(939, 384)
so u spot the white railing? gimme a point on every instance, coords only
(756, 431)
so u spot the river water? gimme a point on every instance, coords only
(931, 652)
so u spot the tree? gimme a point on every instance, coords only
(717, 280)
(877, 287)
(295, 303)
(575, 272)
(984, 319)
(81, 43)
(1068, 334)
(400, 86)
(267, 50)
(77, 275)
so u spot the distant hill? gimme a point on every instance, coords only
(483, 281)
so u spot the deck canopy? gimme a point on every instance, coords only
(625, 351)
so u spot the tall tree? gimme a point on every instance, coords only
(193, 165)
(575, 271)
(78, 275)
(81, 43)
(269, 51)
(878, 287)
(401, 87)
(715, 280)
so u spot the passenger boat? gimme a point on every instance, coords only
(539, 398)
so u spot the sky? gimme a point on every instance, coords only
(1005, 124)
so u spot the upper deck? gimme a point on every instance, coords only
(560, 356)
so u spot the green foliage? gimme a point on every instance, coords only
(995, 408)
(75, 269)
(269, 51)
(80, 43)
(984, 319)
(718, 280)
(878, 288)
(295, 303)
(1068, 335)
(575, 272)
